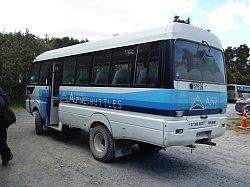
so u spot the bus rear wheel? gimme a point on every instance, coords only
(101, 143)
(38, 123)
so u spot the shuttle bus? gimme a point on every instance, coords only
(153, 89)
(236, 92)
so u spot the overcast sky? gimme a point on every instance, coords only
(98, 19)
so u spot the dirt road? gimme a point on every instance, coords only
(57, 159)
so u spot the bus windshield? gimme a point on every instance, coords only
(198, 62)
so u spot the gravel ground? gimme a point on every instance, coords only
(64, 159)
(231, 112)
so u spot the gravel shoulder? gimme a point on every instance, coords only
(63, 159)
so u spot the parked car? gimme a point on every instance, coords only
(243, 104)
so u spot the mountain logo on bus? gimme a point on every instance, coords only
(197, 105)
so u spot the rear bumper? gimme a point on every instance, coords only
(213, 127)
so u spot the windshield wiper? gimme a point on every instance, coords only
(207, 52)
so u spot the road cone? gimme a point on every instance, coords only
(244, 121)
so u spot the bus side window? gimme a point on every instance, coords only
(147, 67)
(121, 66)
(44, 77)
(34, 74)
(153, 66)
(69, 70)
(100, 70)
(83, 70)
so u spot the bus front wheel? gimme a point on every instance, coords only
(101, 143)
(38, 123)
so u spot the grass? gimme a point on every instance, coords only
(234, 123)
(16, 105)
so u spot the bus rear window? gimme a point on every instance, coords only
(198, 62)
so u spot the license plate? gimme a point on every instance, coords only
(196, 86)
(201, 124)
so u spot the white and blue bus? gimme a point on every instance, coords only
(236, 92)
(154, 89)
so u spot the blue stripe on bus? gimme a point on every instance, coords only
(168, 100)
(160, 102)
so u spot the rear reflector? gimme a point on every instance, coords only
(178, 131)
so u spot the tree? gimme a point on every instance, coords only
(238, 66)
(17, 51)
(230, 77)
(56, 43)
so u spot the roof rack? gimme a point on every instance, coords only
(178, 20)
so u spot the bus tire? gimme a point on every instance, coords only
(38, 123)
(101, 143)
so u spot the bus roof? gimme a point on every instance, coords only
(172, 31)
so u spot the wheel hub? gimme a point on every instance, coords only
(99, 142)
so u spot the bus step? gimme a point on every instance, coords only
(57, 127)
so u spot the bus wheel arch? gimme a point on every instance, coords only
(35, 109)
(34, 106)
(99, 119)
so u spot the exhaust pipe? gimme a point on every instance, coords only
(205, 141)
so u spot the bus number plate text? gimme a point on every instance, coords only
(196, 86)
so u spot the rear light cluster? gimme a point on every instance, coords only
(179, 113)
(178, 131)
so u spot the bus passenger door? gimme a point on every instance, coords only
(56, 82)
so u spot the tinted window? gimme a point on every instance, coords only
(147, 66)
(198, 62)
(34, 74)
(100, 70)
(121, 66)
(44, 77)
(83, 69)
(69, 70)
(153, 67)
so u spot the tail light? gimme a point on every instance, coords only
(179, 113)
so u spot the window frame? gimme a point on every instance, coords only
(91, 55)
(133, 62)
(63, 63)
(33, 64)
(49, 73)
(160, 65)
(199, 81)
(92, 68)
